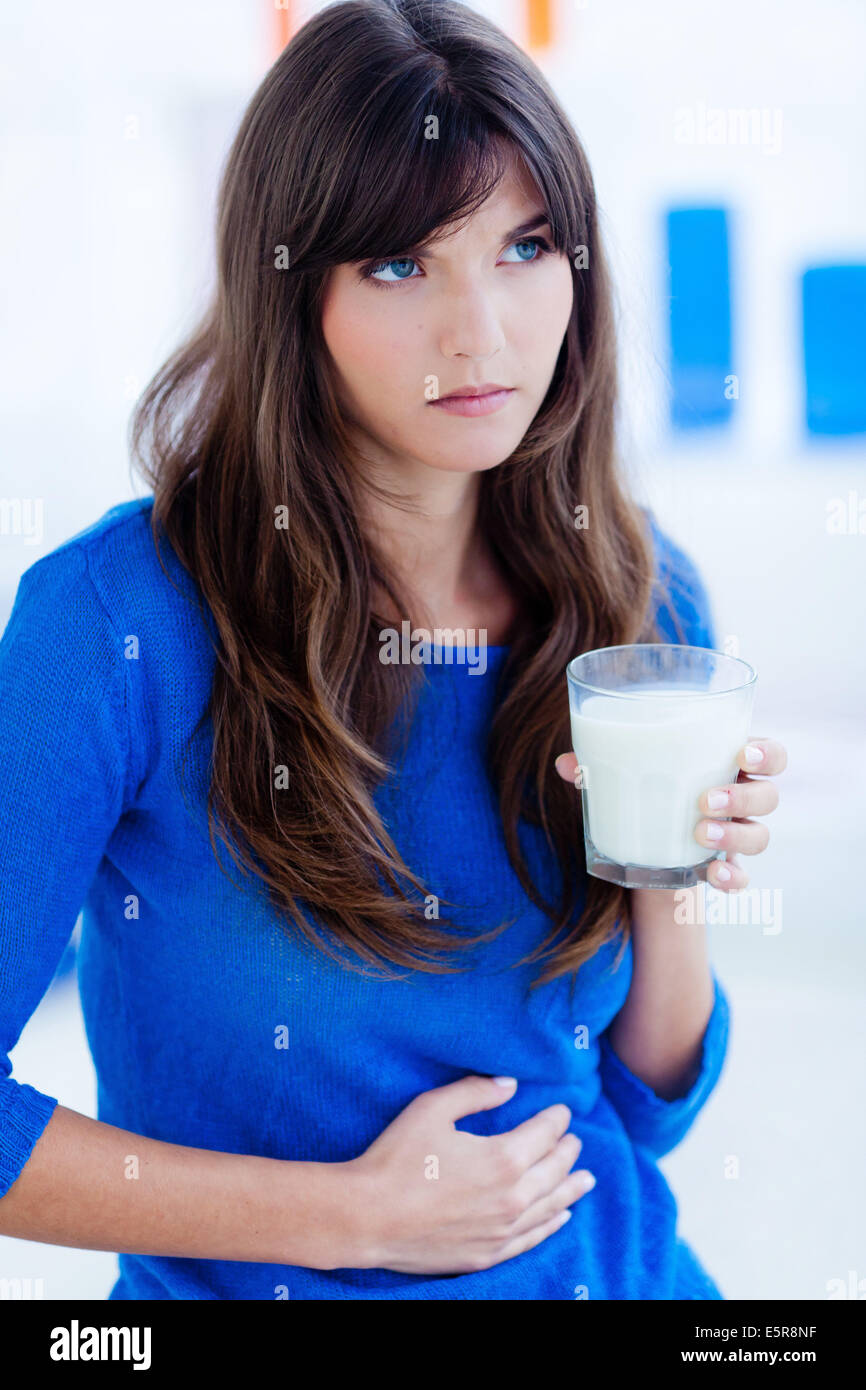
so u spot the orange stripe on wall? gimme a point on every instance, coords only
(540, 22)
(284, 24)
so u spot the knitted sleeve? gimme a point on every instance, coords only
(656, 1123)
(63, 771)
(650, 1120)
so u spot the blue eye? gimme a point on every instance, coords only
(535, 244)
(399, 269)
(402, 271)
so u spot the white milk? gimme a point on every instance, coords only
(647, 762)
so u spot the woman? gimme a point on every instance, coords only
(314, 1080)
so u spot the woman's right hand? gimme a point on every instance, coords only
(437, 1200)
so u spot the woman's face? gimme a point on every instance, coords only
(485, 306)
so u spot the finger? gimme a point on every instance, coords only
(546, 1175)
(748, 797)
(734, 836)
(570, 1190)
(566, 765)
(773, 759)
(466, 1096)
(518, 1244)
(535, 1137)
(737, 876)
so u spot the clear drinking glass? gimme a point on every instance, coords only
(654, 725)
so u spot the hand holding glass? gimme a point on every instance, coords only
(654, 726)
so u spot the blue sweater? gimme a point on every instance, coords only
(185, 979)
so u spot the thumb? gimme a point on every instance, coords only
(473, 1093)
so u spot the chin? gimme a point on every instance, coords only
(470, 461)
(472, 455)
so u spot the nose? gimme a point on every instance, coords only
(471, 324)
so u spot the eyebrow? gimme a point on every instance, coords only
(532, 225)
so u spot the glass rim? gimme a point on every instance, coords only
(671, 646)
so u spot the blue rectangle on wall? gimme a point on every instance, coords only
(702, 381)
(834, 348)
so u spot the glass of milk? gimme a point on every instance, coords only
(654, 725)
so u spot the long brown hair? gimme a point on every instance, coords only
(240, 431)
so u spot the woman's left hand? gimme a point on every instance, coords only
(748, 796)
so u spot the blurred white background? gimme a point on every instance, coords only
(115, 121)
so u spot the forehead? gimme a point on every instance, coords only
(515, 199)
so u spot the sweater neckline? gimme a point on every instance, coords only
(456, 661)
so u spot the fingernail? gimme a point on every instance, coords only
(566, 1216)
(589, 1182)
(714, 830)
(716, 800)
(723, 872)
(505, 1080)
(753, 753)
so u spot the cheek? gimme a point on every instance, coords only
(542, 314)
(370, 350)
(547, 312)
(342, 329)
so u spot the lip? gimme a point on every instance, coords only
(475, 400)
(485, 389)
